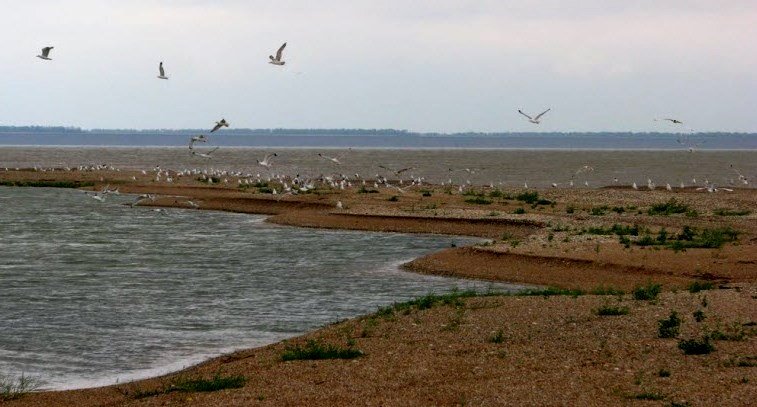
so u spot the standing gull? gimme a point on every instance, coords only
(45, 53)
(161, 72)
(534, 120)
(277, 60)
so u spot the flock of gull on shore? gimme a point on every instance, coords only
(296, 184)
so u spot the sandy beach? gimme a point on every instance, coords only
(494, 350)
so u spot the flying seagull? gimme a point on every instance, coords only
(220, 124)
(267, 160)
(277, 60)
(161, 72)
(534, 120)
(204, 155)
(396, 172)
(335, 160)
(674, 121)
(45, 53)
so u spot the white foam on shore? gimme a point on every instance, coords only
(161, 366)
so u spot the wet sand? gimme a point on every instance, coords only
(555, 350)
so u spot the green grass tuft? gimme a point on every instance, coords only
(551, 291)
(608, 310)
(649, 396)
(316, 350)
(218, 382)
(647, 293)
(671, 207)
(698, 286)
(669, 328)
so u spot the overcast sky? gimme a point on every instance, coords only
(419, 65)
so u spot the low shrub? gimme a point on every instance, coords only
(698, 286)
(14, 388)
(479, 200)
(607, 310)
(671, 207)
(647, 293)
(696, 346)
(528, 197)
(669, 328)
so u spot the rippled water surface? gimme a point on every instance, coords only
(92, 292)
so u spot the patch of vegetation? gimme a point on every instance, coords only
(599, 210)
(14, 388)
(696, 346)
(673, 206)
(497, 337)
(616, 229)
(663, 373)
(729, 212)
(454, 298)
(216, 383)
(364, 190)
(529, 197)
(479, 200)
(647, 395)
(472, 192)
(393, 198)
(265, 190)
(648, 292)
(734, 332)
(47, 184)
(618, 209)
(698, 286)
(499, 194)
(425, 192)
(191, 385)
(519, 211)
(745, 361)
(316, 350)
(551, 291)
(625, 241)
(699, 315)
(609, 310)
(570, 209)
(689, 238)
(606, 291)
(669, 328)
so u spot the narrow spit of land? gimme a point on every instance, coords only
(595, 342)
